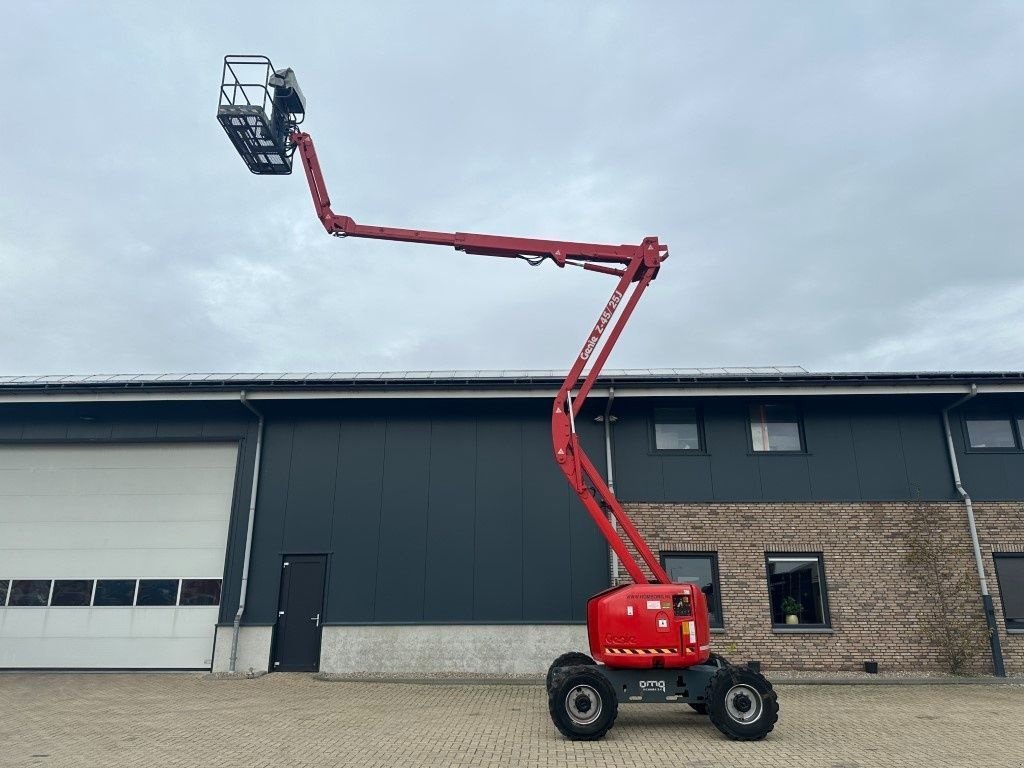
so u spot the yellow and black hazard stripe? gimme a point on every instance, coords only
(640, 651)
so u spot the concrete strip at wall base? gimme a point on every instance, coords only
(522, 649)
(253, 649)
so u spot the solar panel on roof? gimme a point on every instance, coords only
(66, 381)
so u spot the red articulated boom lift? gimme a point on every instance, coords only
(650, 640)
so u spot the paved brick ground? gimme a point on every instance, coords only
(293, 720)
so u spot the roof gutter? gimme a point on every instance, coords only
(10, 395)
(236, 624)
(986, 599)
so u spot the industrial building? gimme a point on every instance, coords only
(415, 522)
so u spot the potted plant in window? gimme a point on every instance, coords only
(791, 609)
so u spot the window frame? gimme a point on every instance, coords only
(1015, 431)
(653, 448)
(825, 608)
(10, 594)
(87, 604)
(181, 590)
(1012, 625)
(138, 593)
(802, 451)
(96, 589)
(716, 579)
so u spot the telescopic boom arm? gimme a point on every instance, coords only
(635, 266)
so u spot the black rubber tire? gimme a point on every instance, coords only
(570, 659)
(700, 709)
(722, 687)
(717, 660)
(567, 679)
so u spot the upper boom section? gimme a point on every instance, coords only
(591, 256)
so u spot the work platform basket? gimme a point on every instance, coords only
(259, 108)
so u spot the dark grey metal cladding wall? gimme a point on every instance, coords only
(145, 422)
(877, 448)
(989, 475)
(434, 511)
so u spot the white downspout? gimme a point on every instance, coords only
(986, 598)
(248, 534)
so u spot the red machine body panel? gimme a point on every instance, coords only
(642, 626)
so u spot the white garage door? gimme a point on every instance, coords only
(111, 555)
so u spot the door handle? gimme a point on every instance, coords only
(316, 619)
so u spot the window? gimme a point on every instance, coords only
(1010, 573)
(29, 592)
(990, 432)
(71, 592)
(676, 429)
(700, 569)
(200, 592)
(114, 592)
(157, 592)
(4, 584)
(796, 590)
(775, 428)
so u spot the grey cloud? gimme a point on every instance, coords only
(839, 184)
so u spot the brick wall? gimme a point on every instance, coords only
(876, 598)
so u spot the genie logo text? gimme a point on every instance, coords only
(602, 323)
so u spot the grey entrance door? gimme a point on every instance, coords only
(300, 614)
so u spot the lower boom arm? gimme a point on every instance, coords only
(635, 266)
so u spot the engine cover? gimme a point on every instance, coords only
(641, 626)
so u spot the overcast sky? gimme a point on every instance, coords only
(840, 185)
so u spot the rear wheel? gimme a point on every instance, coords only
(582, 703)
(571, 659)
(741, 704)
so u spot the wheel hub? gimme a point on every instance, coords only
(583, 704)
(743, 704)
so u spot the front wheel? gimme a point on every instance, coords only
(582, 703)
(742, 704)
